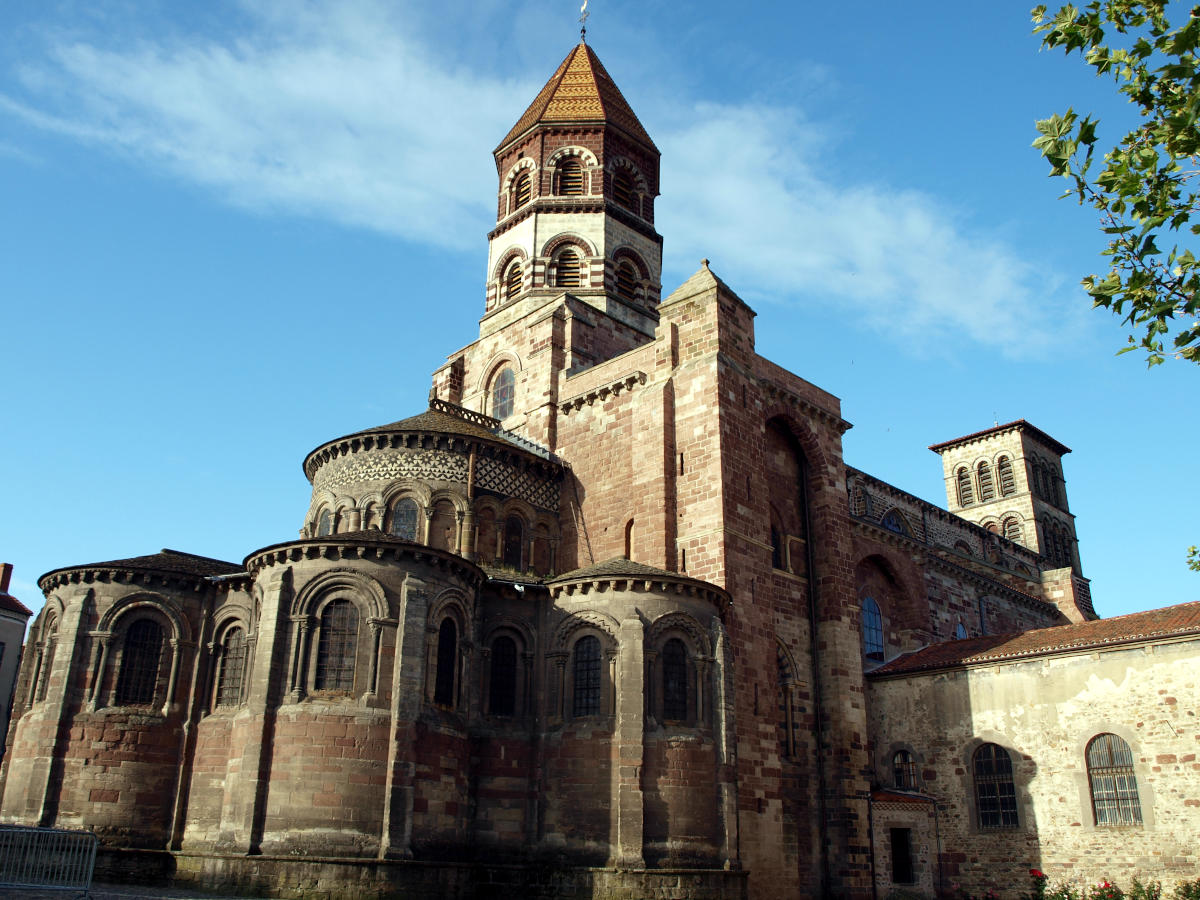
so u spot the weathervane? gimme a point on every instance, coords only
(583, 17)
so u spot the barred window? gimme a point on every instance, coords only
(502, 692)
(568, 269)
(904, 770)
(872, 630)
(987, 489)
(141, 653)
(1005, 470)
(966, 495)
(674, 680)
(337, 646)
(404, 519)
(504, 389)
(570, 178)
(447, 663)
(995, 794)
(586, 672)
(232, 668)
(522, 190)
(1113, 784)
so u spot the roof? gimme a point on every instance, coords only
(9, 603)
(619, 566)
(165, 561)
(703, 279)
(433, 420)
(580, 90)
(1154, 624)
(1019, 424)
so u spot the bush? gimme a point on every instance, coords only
(1187, 890)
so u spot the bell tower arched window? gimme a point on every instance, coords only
(503, 393)
(623, 190)
(522, 190)
(1005, 470)
(965, 494)
(513, 279)
(627, 280)
(987, 489)
(570, 178)
(569, 269)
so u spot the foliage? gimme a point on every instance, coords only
(1193, 558)
(1187, 890)
(1144, 192)
(1151, 890)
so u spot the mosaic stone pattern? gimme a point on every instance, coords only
(384, 465)
(494, 475)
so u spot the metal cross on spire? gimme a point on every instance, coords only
(583, 17)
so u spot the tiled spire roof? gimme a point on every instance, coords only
(580, 91)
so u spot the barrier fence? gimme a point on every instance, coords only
(52, 859)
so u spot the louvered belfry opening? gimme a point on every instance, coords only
(623, 190)
(512, 282)
(626, 281)
(522, 190)
(570, 178)
(568, 269)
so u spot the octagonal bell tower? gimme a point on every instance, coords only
(578, 175)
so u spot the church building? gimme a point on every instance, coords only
(613, 617)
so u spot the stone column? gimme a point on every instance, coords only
(628, 749)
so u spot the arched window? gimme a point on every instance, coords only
(325, 524)
(674, 681)
(1012, 528)
(904, 770)
(960, 631)
(447, 663)
(987, 489)
(514, 542)
(586, 675)
(995, 795)
(965, 495)
(337, 646)
(231, 673)
(46, 663)
(1005, 470)
(522, 190)
(629, 539)
(404, 519)
(624, 192)
(504, 388)
(141, 653)
(502, 691)
(872, 630)
(568, 269)
(513, 279)
(627, 280)
(1113, 784)
(570, 178)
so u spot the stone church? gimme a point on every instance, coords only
(614, 618)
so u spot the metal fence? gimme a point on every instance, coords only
(47, 858)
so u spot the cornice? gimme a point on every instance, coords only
(106, 574)
(661, 584)
(339, 548)
(594, 205)
(615, 388)
(773, 390)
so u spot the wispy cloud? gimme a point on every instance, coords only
(342, 112)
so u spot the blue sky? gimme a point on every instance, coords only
(231, 231)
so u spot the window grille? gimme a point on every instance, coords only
(513, 282)
(137, 682)
(502, 692)
(336, 648)
(904, 770)
(623, 190)
(674, 680)
(965, 494)
(233, 668)
(404, 519)
(1113, 784)
(447, 663)
(522, 190)
(987, 489)
(1005, 470)
(872, 630)
(586, 674)
(570, 178)
(627, 281)
(503, 393)
(995, 794)
(568, 269)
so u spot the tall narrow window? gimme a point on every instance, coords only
(904, 770)
(568, 269)
(1005, 470)
(514, 542)
(522, 190)
(674, 681)
(512, 281)
(337, 646)
(1012, 528)
(504, 389)
(141, 653)
(960, 632)
(623, 189)
(570, 178)
(404, 519)
(995, 794)
(447, 663)
(502, 691)
(965, 495)
(47, 660)
(586, 676)
(627, 280)
(987, 488)
(1114, 786)
(872, 630)
(325, 524)
(233, 668)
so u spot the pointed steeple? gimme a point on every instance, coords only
(580, 90)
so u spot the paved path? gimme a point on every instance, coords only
(122, 892)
